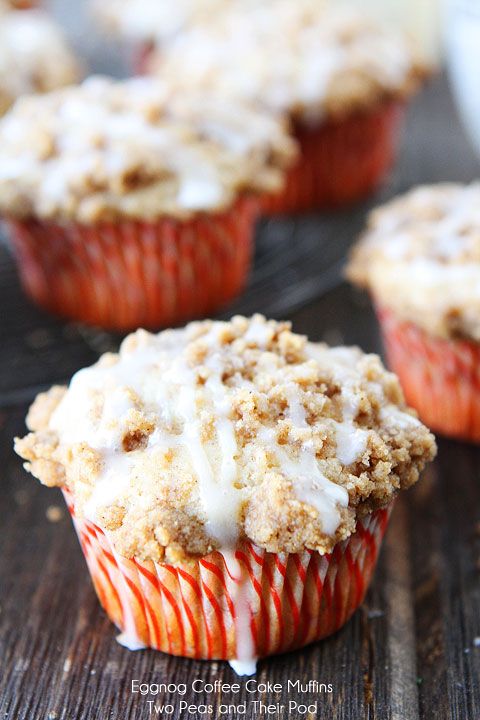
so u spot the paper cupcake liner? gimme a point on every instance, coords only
(440, 378)
(223, 607)
(142, 55)
(130, 274)
(340, 162)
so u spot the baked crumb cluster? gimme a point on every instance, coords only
(307, 58)
(135, 149)
(420, 256)
(34, 56)
(194, 439)
(154, 20)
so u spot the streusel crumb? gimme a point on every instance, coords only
(193, 439)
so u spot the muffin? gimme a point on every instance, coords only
(6, 5)
(420, 260)
(132, 205)
(342, 79)
(148, 24)
(34, 56)
(230, 483)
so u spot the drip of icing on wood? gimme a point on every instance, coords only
(130, 642)
(129, 637)
(238, 586)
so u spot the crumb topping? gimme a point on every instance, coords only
(420, 256)
(306, 58)
(135, 149)
(153, 20)
(34, 56)
(192, 439)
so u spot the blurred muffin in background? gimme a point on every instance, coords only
(6, 5)
(420, 19)
(420, 260)
(130, 204)
(341, 78)
(34, 56)
(146, 24)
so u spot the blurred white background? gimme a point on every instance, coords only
(462, 46)
(101, 55)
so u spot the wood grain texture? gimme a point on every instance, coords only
(411, 652)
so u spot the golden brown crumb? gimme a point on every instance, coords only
(54, 513)
(43, 406)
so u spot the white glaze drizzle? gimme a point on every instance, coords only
(351, 440)
(238, 586)
(130, 642)
(176, 393)
(220, 499)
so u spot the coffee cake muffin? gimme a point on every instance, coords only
(341, 78)
(130, 204)
(420, 260)
(34, 56)
(146, 25)
(230, 483)
(6, 5)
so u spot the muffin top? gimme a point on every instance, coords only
(305, 57)
(153, 20)
(34, 56)
(135, 149)
(197, 438)
(420, 257)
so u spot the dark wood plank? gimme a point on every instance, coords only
(403, 653)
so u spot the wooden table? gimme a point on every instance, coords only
(413, 649)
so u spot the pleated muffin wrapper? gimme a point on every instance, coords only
(237, 606)
(129, 274)
(440, 377)
(341, 161)
(141, 55)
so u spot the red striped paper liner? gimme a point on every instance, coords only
(132, 274)
(193, 610)
(142, 55)
(440, 378)
(341, 161)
